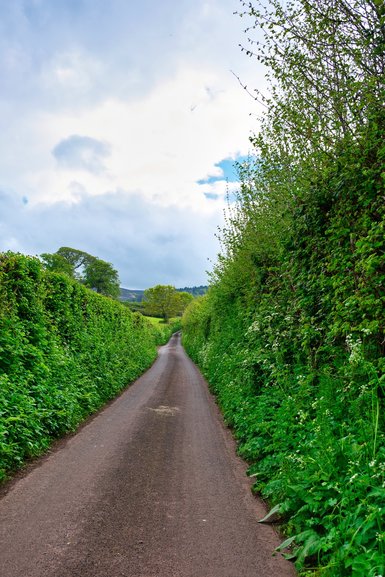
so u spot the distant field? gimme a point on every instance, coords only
(158, 321)
(155, 320)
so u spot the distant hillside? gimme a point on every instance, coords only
(196, 291)
(131, 295)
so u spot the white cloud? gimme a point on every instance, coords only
(147, 244)
(81, 153)
(111, 120)
(159, 146)
(71, 77)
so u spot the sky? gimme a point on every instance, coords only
(120, 122)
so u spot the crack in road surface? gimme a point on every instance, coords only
(151, 487)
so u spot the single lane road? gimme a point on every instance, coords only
(151, 487)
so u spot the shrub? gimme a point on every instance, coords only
(64, 352)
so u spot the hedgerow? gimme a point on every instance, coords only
(294, 353)
(291, 334)
(64, 352)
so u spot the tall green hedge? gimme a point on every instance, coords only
(292, 332)
(64, 351)
(291, 337)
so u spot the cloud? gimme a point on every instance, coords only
(149, 244)
(119, 123)
(61, 55)
(158, 147)
(81, 153)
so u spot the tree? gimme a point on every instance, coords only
(326, 65)
(57, 263)
(100, 276)
(91, 271)
(78, 259)
(183, 299)
(161, 300)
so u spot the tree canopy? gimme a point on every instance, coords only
(102, 277)
(90, 270)
(57, 263)
(165, 301)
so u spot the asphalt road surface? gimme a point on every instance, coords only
(150, 487)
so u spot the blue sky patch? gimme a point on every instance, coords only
(211, 195)
(229, 172)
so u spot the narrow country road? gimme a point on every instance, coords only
(151, 487)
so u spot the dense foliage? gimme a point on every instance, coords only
(291, 334)
(64, 351)
(165, 301)
(196, 291)
(93, 272)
